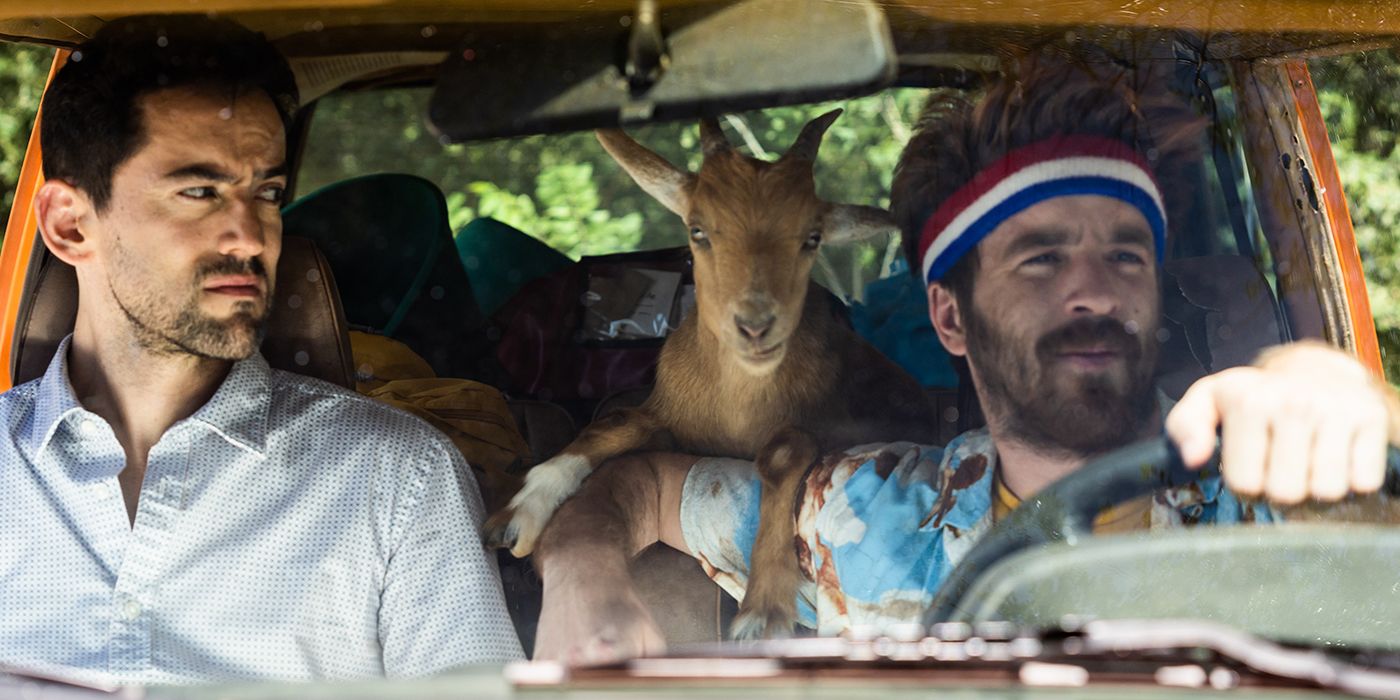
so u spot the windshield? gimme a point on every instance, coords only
(1222, 301)
(897, 357)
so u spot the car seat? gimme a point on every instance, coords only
(1218, 311)
(388, 241)
(306, 333)
(500, 259)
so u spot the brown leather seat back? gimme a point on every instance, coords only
(306, 334)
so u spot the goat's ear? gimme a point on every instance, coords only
(844, 223)
(665, 182)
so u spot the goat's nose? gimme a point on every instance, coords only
(754, 329)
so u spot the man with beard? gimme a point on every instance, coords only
(173, 509)
(1037, 216)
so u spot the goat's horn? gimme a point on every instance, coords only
(712, 139)
(807, 143)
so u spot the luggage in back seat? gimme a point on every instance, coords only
(560, 342)
(473, 415)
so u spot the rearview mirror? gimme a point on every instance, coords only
(657, 65)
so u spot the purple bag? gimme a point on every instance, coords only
(595, 327)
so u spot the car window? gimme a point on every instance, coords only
(1222, 299)
(22, 70)
(1357, 93)
(564, 190)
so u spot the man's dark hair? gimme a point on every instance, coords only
(1040, 94)
(91, 113)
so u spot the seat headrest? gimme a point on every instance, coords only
(1218, 311)
(391, 234)
(306, 333)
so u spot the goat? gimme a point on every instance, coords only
(763, 369)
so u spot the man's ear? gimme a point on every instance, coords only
(64, 211)
(947, 319)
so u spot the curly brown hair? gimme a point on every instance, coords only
(1040, 94)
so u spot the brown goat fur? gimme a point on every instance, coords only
(762, 370)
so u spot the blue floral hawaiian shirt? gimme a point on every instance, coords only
(880, 526)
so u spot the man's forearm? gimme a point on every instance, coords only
(590, 609)
(615, 515)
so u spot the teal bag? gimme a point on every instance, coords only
(894, 318)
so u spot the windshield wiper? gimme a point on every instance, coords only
(1176, 653)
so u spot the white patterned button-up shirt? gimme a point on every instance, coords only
(288, 529)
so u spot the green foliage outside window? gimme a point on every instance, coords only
(566, 191)
(22, 73)
(1360, 98)
(570, 216)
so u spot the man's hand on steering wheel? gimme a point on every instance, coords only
(1306, 421)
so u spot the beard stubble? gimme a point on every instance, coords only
(1072, 414)
(165, 325)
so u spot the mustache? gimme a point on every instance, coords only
(228, 265)
(1095, 331)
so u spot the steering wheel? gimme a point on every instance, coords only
(1065, 510)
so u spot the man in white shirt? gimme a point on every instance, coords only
(173, 509)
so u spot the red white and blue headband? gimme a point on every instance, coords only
(1061, 166)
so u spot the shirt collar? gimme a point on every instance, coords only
(238, 411)
(970, 464)
(55, 398)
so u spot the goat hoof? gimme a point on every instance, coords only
(512, 530)
(517, 528)
(751, 625)
(498, 530)
(520, 524)
(520, 535)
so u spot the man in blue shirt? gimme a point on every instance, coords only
(173, 509)
(1038, 217)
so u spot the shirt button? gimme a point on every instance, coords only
(87, 427)
(131, 609)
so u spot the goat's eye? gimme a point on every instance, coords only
(699, 236)
(813, 240)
